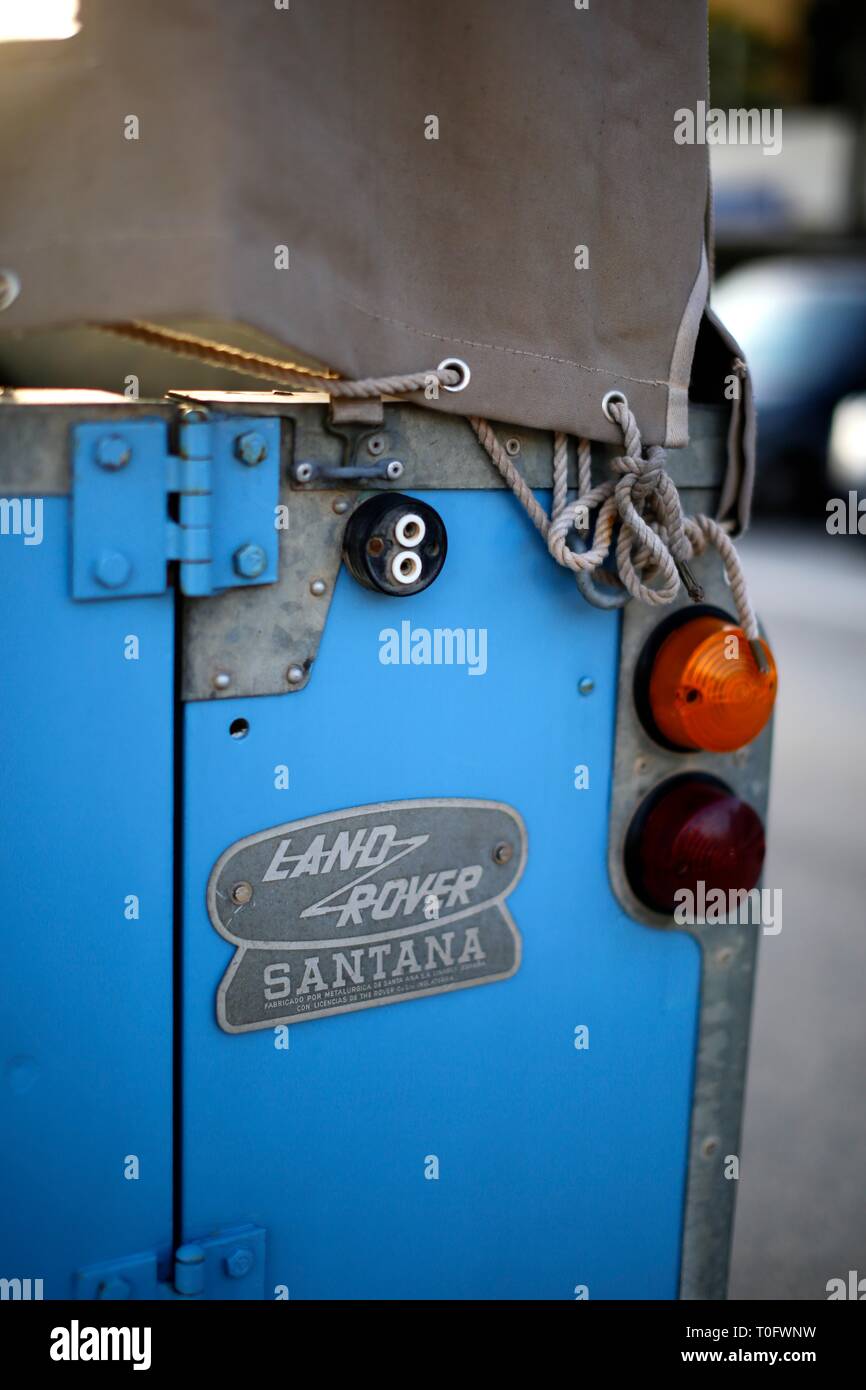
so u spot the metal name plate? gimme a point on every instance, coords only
(366, 906)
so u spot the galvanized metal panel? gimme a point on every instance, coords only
(85, 822)
(559, 1167)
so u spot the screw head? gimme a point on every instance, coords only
(239, 1263)
(222, 680)
(586, 685)
(250, 561)
(394, 469)
(502, 852)
(242, 893)
(112, 569)
(112, 452)
(318, 587)
(251, 448)
(295, 675)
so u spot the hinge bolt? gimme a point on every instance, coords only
(239, 1263)
(251, 448)
(250, 561)
(112, 452)
(112, 569)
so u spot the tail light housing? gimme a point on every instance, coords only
(690, 830)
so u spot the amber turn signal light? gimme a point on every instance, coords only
(706, 690)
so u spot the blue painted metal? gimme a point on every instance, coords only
(85, 824)
(227, 1266)
(226, 477)
(559, 1167)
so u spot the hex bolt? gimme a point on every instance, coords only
(250, 561)
(239, 1263)
(222, 680)
(112, 452)
(318, 587)
(242, 893)
(112, 569)
(502, 852)
(586, 685)
(340, 506)
(295, 675)
(251, 448)
(394, 469)
(114, 1289)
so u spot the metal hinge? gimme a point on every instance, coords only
(227, 1265)
(126, 524)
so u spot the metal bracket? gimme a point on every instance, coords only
(224, 475)
(228, 1265)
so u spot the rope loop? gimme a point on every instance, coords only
(656, 540)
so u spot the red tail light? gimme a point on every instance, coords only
(693, 830)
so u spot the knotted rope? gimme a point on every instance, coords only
(656, 541)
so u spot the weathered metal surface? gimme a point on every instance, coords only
(728, 952)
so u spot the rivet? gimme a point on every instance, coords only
(340, 506)
(242, 893)
(502, 852)
(394, 469)
(10, 288)
(222, 680)
(295, 675)
(586, 685)
(376, 444)
(512, 447)
(303, 472)
(318, 587)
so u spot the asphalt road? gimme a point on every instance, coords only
(801, 1215)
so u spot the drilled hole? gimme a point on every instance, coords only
(239, 728)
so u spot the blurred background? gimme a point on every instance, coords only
(791, 286)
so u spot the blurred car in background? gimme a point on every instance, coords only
(801, 322)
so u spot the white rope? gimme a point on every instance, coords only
(656, 541)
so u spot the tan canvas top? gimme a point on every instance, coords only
(380, 184)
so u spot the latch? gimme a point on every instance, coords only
(228, 1265)
(208, 501)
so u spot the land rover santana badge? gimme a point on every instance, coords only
(371, 905)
